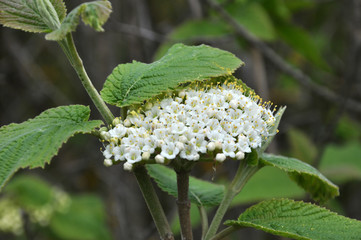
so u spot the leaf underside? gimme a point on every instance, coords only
(132, 83)
(24, 14)
(298, 220)
(200, 192)
(34, 142)
(306, 176)
(94, 14)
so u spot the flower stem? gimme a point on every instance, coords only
(244, 173)
(184, 205)
(225, 232)
(70, 51)
(153, 203)
(204, 220)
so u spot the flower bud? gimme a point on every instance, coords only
(240, 155)
(220, 157)
(218, 145)
(180, 146)
(233, 104)
(116, 121)
(182, 94)
(105, 135)
(108, 162)
(146, 156)
(127, 123)
(148, 106)
(159, 159)
(211, 146)
(183, 139)
(127, 166)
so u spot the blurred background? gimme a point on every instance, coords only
(300, 53)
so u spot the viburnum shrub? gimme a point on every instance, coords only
(184, 109)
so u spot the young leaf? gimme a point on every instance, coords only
(135, 82)
(32, 15)
(94, 14)
(298, 220)
(34, 142)
(200, 192)
(304, 175)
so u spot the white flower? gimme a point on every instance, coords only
(169, 151)
(127, 166)
(240, 155)
(159, 159)
(133, 155)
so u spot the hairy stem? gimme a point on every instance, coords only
(225, 232)
(184, 205)
(70, 51)
(204, 220)
(153, 203)
(244, 173)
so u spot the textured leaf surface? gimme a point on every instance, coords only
(200, 192)
(34, 142)
(94, 14)
(135, 82)
(26, 14)
(298, 220)
(304, 175)
(85, 219)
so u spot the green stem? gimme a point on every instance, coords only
(244, 173)
(153, 203)
(70, 51)
(204, 220)
(225, 232)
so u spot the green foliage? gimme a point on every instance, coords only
(200, 192)
(298, 220)
(84, 219)
(254, 18)
(306, 176)
(301, 146)
(273, 131)
(342, 163)
(94, 14)
(268, 183)
(132, 83)
(29, 191)
(34, 142)
(32, 15)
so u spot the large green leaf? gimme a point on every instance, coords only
(268, 183)
(85, 219)
(298, 220)
(306, 176)
(342, 163)
(34, 142)
(94, 14)
(200, 192)
(135, 82)
(32, 15)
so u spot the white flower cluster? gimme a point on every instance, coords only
(216, 120)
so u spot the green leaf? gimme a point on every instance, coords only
(94, 14)
(204, 29)
(34, 142)
(200, 192)
(84, 219)
(29, 191)
(135, 82)
(273, 131)
(306, 176)
(254, 18)
(301, 146)
(302, 42)
(32, 15)
(268, 183)
(298, 220)
(342, 163)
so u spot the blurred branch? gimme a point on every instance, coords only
(40, 84)
(280, 63)
(138, 31)
(196, 8)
